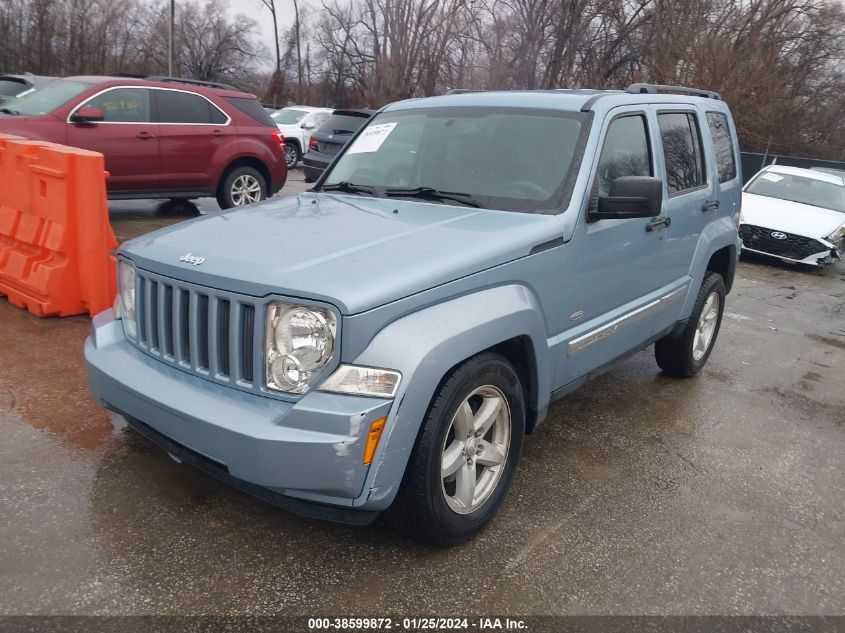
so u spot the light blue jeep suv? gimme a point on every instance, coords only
(388, 338)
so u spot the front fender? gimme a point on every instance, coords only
(424, 346)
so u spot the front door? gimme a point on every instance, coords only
(617, 263)
(127, 138)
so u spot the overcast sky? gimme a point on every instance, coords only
(256, 10)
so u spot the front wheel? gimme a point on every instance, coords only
(466, 454)
(241, 186)
(685, 355)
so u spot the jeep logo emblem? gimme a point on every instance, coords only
(778, 235)
(195, 260)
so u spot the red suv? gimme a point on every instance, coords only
(161, 137)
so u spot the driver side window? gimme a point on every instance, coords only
(625, 152)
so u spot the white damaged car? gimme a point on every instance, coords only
(794, 214)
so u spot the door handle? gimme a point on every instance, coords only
(217, 133)
(710, 205)
(144, 136)
(658, 223)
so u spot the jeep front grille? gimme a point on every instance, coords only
(793, 246)
(201, 330)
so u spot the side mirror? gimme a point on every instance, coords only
(308, 126)
(88, 115)
(630, 197)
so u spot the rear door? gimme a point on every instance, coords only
(191, 129)
(127, 137)
(690, 200)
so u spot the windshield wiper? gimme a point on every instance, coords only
(430, 193)
(348, 187)
(9, 111)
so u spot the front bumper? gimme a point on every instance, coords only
(821, 258)
(788, 247)
(305, 455)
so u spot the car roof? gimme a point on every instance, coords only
(172, 84)
(806, 173)
(562, 99)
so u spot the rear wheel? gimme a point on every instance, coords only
(465, 457)
(241, 186)
(686, 354)
(292, 154)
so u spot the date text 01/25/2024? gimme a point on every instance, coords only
(417, 624)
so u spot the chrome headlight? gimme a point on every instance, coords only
(300, 343)
(126, 297)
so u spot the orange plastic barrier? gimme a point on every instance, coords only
(55, 237)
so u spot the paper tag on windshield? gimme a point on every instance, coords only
(371, 138)
(772, 177)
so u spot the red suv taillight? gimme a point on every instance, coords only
(312, 143)
(280, 138)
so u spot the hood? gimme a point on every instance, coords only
(354, 252)
(790, 217)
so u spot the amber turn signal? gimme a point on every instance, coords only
(372, 439)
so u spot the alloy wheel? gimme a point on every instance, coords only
(706, 327)
(475, 449)
(290, 156)
(245, 190)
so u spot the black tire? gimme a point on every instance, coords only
(292, 154)
(421, 506)
(227, 199)
(674, 354)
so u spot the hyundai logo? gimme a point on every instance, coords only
(194, 260)
(778, 235)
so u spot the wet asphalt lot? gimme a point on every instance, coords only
(640, 494)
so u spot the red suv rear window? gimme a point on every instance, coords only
(252, 109)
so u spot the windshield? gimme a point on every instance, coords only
(46, 99)
(288, 116)
(513, 159)
(818, 193)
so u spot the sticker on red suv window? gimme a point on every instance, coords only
(371, 138)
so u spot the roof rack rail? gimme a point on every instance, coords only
(192, 82)
(653, 89)
(461, 91)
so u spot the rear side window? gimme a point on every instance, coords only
(625, 152)
(184, 107)
(123, 105)
(11, 87)
(722, 142)
(252, 109)
(320, 118)
(682, 151)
